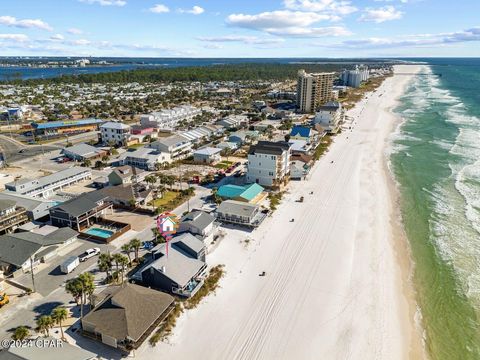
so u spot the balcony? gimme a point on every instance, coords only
(95, 211)
(190, 289)
(19, 217)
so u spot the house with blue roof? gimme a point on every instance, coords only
(301, 132)
(251, 193)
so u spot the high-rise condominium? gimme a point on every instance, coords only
(313, 90)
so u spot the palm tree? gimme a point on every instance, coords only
(87, 163)
(150, 179)
(88, 286)
(135, 244)
(21, 333)
(127, 249)
(44, 323)
(74, 287)
(105, 263)
(122, 261)
(60, 314)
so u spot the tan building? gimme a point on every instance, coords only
(313, 90)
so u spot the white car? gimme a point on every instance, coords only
(88, 254)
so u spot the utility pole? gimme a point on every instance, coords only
(33, 276)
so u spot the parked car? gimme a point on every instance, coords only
(88, 254)
(69, 265)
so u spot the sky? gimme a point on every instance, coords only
(240, 28)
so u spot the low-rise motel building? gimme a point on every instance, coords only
(65, 127)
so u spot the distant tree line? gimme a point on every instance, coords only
(228, 72)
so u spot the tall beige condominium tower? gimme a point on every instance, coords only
(313, 90)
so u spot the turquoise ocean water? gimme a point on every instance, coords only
(436, 162)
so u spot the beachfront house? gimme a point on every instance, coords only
(329, 116)
(126, 315)
(197, 222)
(251, 193)
(179, 273)
(240, 213)
(269, 163)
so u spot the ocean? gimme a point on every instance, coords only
(435, 160)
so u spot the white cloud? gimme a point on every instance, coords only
(57, 37)
(334, 7)
(241, 38)
(287, 23)
(418, 40)
(79, 42)
(382, 14)
(105, 2)
(196, 10)
(14, 37)
(24, 23)
(159, 9)
(75, 31)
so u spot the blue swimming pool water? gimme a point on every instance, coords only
(99, 232)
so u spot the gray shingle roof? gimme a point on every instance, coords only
(81, 204)
(129, 311)
(199, 219)
(16, 251)
(189, 241)
(268, 147)
(178, 267)
(6, 204)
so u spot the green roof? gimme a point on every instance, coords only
(247, 192)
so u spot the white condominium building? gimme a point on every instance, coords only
(354, 78)
(268, 163)
(169, 119)
(313, 90)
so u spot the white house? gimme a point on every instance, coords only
(208, 155)
(177, 146)
(114, 132)
(329, 116)
(268, 163)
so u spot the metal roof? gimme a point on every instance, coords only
(238, 208)
(207, 151)
(60, 124)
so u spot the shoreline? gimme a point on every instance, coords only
(339, 273)
(400, 240)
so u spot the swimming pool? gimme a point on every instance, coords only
(99, 232)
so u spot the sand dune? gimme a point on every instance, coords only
(336, 278)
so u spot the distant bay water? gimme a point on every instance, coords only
(120, 64)
(436, 162)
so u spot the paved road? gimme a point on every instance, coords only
(15, 151)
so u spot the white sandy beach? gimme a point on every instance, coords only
(337, 278)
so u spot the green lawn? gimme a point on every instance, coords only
(167, 197)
